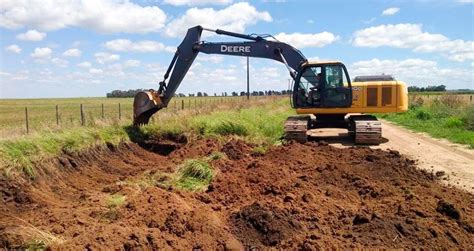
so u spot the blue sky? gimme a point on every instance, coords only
(88, 48)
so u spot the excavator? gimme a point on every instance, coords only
(322, 91)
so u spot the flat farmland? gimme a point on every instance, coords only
(52, 114)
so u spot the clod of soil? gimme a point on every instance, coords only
(256, 225)
(448, 210)
(296, 196)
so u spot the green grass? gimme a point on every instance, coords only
(194, 175)
(440, 120)
(261, 125)
(115, 200)
(23, 152)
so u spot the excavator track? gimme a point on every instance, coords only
(295, 128)
(367, 130)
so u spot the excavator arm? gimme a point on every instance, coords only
(148, 103)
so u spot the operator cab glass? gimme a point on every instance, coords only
(322, 85)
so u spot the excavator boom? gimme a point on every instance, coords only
(148, 103)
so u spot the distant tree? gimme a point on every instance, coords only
(234, 94)
(124, 94)
(430, 88)
(199, 94)
(205, 95)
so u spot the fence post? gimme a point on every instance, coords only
(470, 99)
(26, 121)
(120, 112)
(182, 104)
(189, 103)
(82, 116)
(57, 115)
(102, 111)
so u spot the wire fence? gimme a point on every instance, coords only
(19, 118)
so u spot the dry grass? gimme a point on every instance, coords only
(35, 238)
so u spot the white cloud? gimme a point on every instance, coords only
(105, 57)
(301, 40)
(105, 16)
(139, 46)
(42, 53)
(31, 35)
(95, 71)
(390, 11)
(197, 2)
(60, 62)
(215, 59)
(72, 53)
(234, 18)
(412, 36)
(132, 63)
(414, 72)
(310, 21)
(13, 48)
(85, 64)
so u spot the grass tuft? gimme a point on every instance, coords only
(194, 175)
(115, 200)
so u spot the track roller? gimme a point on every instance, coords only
(295, 128)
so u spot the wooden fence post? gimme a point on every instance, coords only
(82, 116)
(182, 104)
(102, 111)
(26, 120)
(120, 112)
(57, 115)
(189, 103)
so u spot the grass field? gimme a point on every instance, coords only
(443, 116)
(42, 112)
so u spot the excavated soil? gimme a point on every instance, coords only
(294, 196)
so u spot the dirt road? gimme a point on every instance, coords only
(456, 161)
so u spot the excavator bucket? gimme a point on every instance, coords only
(145, 105)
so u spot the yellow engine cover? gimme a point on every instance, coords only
(370, 97)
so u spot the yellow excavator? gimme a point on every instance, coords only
(321, 89)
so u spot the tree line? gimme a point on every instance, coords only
(431, 88)
(132, 93)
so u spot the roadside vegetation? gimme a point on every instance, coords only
(448, 116)
(260, 122)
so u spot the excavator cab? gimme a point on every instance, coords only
(322, 85)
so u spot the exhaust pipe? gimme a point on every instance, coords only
(145, 105)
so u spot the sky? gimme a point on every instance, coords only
(72, 48)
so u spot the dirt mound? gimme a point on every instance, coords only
(294, 196)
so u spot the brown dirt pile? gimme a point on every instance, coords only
(295, 196)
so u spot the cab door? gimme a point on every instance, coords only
(336, 89)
